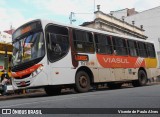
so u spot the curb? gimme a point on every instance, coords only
(21, 95)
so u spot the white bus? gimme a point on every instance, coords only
(55, 56)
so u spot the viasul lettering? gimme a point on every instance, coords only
(115, 60)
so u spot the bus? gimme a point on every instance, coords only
(55, 56)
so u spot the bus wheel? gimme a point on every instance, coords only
(82, 82)
(50, 90)
(142, 79)
(114, 85)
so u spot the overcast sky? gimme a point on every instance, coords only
(17, 12)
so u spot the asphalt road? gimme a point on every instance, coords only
(140, 97)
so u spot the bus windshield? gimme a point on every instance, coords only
(28, 48)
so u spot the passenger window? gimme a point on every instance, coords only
(57, 42)
(120, 47)
(151, 50)
(142, 49)
(133, 50)
(83, 41)
(103, 44)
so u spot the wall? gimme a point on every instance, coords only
(120, 13)
(4, 37)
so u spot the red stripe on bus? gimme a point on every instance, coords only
(113, 61)
(26, 72)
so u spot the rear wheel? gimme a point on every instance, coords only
(82, 82)
(50, 90)
(142, 79)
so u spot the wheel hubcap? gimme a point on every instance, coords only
(143, 78)
(83, 81)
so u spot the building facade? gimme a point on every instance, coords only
(5, 37)
(112, 24)
(120, 14)
(5, 43)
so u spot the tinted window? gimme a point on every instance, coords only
(57, 42)
(103, 44)
(142, 49)
(132, 46)
(120, 47)
(151, 50)
(83, 41)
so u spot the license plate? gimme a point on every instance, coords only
(22, 83)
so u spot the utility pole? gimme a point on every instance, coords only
(94, 6)
(71, 17)
(73, 13)
(6, 58)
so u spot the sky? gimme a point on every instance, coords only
(18, 12)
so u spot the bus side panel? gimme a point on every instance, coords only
(106, 74)
(151, 62)
(62, 71)
(91, 63)
(60, 76)
(152, 72)
(95, 74)
(151, 67)
(119, 74)
(131, 74)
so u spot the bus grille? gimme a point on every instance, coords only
(23, 84)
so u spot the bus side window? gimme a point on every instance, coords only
(103, 44)
(57, 41)
(142, 49)
(151, 50)
(132, 46)
(120, 46)
(83, 41)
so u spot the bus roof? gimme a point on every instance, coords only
(45, 22)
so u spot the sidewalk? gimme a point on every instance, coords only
(30, 94)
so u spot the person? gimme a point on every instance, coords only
(4, 80)
(57, 49)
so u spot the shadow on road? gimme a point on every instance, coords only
(66, 92)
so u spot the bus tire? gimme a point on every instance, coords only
(82, 82)
(114, 85)
(50, 90)
(142, 79)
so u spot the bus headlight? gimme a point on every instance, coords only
(37, 71)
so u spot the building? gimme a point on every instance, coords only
(112, 24)
(5, 43)
(5, 37)
(150, 19)
(120, 14)
(11, 31)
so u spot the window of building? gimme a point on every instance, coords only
(57, 42)
(142, 49)
(151, 50)
(120, 47)
(103, 44)
(83, 41)
(133, 49)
